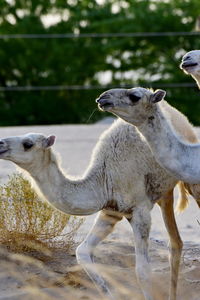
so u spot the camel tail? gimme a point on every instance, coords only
(183, 198)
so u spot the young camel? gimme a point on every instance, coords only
(191, 65)
(141, 107)
(123, 179)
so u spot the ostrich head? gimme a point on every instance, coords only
(26, 149)
(191, 63)
(133, 105)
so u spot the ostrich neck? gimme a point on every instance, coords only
(180, 159)
(76, 197)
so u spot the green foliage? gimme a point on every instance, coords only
(27, 223)
(77, 61)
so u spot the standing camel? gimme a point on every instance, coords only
(123, 179)
(143, 110)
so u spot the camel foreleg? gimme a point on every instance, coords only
(103, 225)
(141, 223)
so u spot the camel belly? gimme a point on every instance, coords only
(129, 191)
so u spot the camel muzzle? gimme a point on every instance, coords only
(104, 102)
(3, 147)
(186, 65)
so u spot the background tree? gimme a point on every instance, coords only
(149, 61)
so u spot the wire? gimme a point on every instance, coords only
(91, 35)
(96, 35)
(87, 87)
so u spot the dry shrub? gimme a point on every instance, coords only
(27, 223)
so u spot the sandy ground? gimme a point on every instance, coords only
(75, 143)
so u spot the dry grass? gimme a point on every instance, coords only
(27, 223)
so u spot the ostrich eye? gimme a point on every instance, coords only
(27, 144)
(134, 98)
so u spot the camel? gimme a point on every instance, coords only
(191, 65)
(122, 180)
(142, 107)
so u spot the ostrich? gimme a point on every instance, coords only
(122, 180)
(191, 65)
(143, 110)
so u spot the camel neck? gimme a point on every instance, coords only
(197, 79)
(76, 197)
(180, 159)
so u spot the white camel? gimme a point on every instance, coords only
(191, 64)
(123, 179)
(170, 150)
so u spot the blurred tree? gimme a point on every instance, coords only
(146, 61)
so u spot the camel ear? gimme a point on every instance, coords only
(49, 141)
(157, 96)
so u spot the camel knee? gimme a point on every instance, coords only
(84, 254)
(179, 246)
(176, 247)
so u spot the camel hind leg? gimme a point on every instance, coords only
(166, 205)
(103, 225)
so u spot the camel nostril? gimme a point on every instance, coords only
(1, 142)
(102, 101)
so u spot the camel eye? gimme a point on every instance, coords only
(27, 144)
(134, 98)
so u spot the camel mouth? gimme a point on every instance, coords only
(186, 66)
(105, 105)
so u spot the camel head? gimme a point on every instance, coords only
(25, 149)
(132, 105)
(191, 63)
